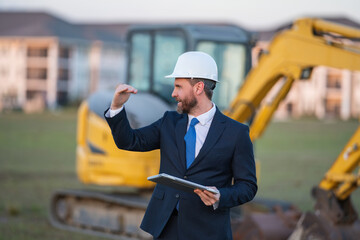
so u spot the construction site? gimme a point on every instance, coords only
(296, 88)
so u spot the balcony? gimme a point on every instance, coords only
(36, 85)
(333, 93)
(39, 52)
(36, 62)
(36, 73)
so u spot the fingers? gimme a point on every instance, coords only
(121, 95)
(207, 200)
(124, 88)
(207, 197)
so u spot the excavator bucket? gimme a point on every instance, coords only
(313, 226)
(333, 219)
(264, 220)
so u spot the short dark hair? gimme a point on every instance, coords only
(209, 85)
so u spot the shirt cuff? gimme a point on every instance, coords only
(111, 113)
(216, 205)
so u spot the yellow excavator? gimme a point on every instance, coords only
(152, 53)
(292, 55)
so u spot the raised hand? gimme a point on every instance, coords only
(121, 95)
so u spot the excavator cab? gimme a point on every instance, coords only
(153, 52)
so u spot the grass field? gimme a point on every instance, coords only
(295, 155)
(37, 156)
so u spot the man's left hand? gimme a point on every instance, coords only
(207, 197)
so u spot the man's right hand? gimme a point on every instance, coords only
(121, 95)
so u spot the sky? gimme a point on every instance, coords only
(251, 14)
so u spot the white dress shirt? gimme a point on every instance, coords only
(202, 128)
(111, 113)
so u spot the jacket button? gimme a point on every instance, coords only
(177, 195)
(185, 177)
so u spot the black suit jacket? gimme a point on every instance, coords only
(225, 161)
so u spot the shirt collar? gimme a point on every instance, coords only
(205, 117)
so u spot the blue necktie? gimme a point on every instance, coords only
(190, 139)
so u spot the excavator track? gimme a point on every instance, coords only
(111, 215)
(118, 216)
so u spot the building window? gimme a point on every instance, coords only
(37, 52)
(333, 107)
(64, 52)
(36, 73)
(31, 94)
(63, 74)
(334, 80)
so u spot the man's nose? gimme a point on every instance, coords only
(173, 94)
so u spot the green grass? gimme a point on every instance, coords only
(37, 156)
(294, 156)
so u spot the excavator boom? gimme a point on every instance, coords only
(292, 54)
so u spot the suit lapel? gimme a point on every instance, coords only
(215, 131)
(180, 132)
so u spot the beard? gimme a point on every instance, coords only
(186, 104)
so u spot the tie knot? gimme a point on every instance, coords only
(194, 121)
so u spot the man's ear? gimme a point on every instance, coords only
(199, 88)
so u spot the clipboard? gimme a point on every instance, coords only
(179, 183)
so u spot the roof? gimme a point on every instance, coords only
(36, 24)
(29, 24)
(104, 32)
(200, 31)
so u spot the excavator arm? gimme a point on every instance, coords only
(292, 55)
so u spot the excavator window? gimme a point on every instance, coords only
(140, 59)
(169, 45)
(154, 52)
(231, 60)
(153, 55)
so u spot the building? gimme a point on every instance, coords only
(329, 93)
(46, 61)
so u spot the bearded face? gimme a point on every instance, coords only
(186, 104)
(184, 94)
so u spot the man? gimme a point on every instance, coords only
(197, 143)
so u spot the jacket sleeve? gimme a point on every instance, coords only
(126, 138)
(244, 173)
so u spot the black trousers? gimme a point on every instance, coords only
(170, 231)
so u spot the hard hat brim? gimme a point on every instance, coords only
(182, 76)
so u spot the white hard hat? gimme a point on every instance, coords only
(195, 65)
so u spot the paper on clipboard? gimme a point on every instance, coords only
(179, 183)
